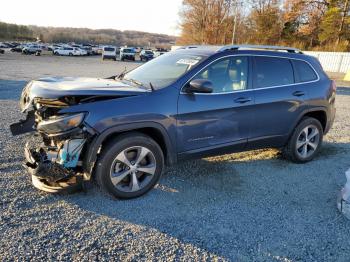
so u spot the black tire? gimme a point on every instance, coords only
(291, 151)
(70, 54)
(107, 158)
(122, 59)
(55, 53)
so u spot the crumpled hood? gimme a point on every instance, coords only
(58, 87)
(53, 87)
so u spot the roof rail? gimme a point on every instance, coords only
(198, 46)
(267, 47)
(188, 47)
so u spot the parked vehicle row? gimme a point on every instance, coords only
(72, 49)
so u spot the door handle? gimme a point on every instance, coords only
(298, 93)
(242, 100)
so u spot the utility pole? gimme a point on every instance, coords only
(236, 3)
(345, 11)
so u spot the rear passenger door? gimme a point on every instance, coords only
(277, 102)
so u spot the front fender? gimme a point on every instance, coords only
(94, 146)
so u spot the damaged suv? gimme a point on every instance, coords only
(194, 102)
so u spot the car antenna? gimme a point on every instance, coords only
(152, 88)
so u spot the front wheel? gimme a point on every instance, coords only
(305, 141)
(129, 166)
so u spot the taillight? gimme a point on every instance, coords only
(334, 86)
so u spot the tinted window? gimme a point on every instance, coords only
(109, 49)
(303, 71)
(227, 75)
(271, 71)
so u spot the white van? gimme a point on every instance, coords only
(109, 52)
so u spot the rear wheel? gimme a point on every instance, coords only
(305, 141)
(129, 166)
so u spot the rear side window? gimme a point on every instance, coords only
(272, 71)
(304, 72)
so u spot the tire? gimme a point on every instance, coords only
(55, 53)
(70, 54)
(122, 59)
(110, 162)
(305, 142)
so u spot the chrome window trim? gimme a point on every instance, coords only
(252, 89)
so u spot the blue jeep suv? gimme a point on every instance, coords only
(194, 102)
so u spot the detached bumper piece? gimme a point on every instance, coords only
(24, 126)
(48, 175)
(344, 197)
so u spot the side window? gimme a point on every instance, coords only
(303, 71)
(272, 71)
(227, 75)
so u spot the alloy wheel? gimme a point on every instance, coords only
(133, 169)
(308, 141)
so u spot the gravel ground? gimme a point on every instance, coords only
(251, 206)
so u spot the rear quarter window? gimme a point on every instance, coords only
(272, 71)
(304, 72)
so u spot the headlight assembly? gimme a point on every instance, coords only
(59, 124)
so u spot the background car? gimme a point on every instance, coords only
(31, 49)
(109, 52)
(69, 51)
(17, 49)
(127, 53)
(146, 55)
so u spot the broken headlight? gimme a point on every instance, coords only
(59, 124)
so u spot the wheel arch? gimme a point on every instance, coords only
(318, 113)
(154, 130)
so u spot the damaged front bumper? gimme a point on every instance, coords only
(55, 160)
(55, 169)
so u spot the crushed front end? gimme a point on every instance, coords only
(53, 155)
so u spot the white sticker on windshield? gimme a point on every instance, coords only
(187, 61)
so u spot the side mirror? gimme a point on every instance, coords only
(199, 86)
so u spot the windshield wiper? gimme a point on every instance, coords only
(151, 86)
(122, 74)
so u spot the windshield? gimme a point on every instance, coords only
(128, 50)
(163, 70)
(149, 52)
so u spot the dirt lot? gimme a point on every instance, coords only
(251, 206)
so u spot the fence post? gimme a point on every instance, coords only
(340, 63)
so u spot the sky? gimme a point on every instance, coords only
(155, 16)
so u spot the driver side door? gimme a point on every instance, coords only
(219, 121)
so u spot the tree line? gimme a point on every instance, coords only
(13, 32)
(305, 24)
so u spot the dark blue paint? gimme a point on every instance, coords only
(197, 124)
